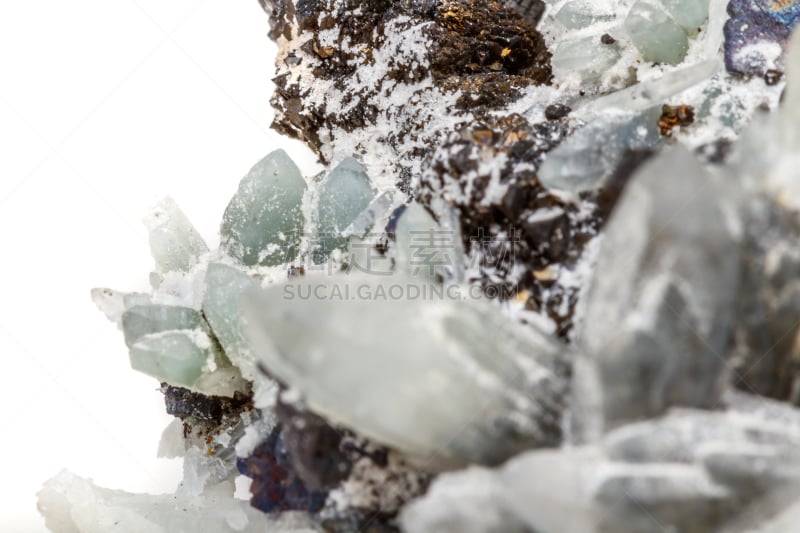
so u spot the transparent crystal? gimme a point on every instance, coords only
(223, 290)
(174, 242)
(582, 163)
(658, 315)
(342, 197)
(142, 320)
(446, 381)
(586, 55)
(655, 34)
(376, 210)
(263, 223)
(690, 14)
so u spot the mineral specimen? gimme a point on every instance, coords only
(561, 273)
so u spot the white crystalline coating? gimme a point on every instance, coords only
(445, 381)
(174, 242)
(582, 13)
(263, 223)
(657, 36)
(71, 504)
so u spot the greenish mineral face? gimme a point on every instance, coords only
(142, 320)
(342, 197)
(658, 36)
(224, 286)
(174, 356)
(263, 223)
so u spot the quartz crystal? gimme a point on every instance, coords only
(686, 471)
(658, 315)
(141, 320)
(419, 375)
(342, 197)
(174, 242)
(586, 56)
(224, 286)
(581, 163)
(263, 223)
(657, 36)
(174, 356)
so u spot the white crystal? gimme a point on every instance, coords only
(174, 242)
(72, 504)
(658, 312)
(418, 370)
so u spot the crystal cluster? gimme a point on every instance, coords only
(549, 282)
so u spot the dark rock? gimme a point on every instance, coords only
(772, 76)
(556, 111)
(185, 404)
(607, 39)
(314, 447)
(525, 225)
(275, 486)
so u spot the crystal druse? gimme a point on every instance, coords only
(550, 281)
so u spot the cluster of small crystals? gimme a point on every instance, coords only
(635, 209)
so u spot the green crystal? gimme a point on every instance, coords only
(655, 34)
(690, 14)
(263, 223)
(176, 357)
(174, 242)
(344, 195)
(224, 287)
(142, 320)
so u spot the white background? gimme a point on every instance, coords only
(104, 106)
